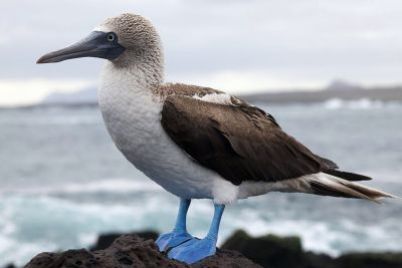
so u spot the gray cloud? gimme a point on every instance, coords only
(315, 40)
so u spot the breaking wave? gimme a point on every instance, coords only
(116, 186)
(361, 104)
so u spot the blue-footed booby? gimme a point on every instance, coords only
(196, 142)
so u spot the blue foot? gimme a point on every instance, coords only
(172, 239)
(194, 250)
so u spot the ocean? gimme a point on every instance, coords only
(63, 182)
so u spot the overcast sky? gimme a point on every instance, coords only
(234, 45)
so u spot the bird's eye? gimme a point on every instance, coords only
(110, 37)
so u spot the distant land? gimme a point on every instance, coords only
(338, 89)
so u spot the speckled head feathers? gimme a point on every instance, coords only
(133, 31)
(143, 48)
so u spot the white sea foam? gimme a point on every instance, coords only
(113, 185)
(360, 104)
(32, 224)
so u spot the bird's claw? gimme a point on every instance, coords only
(193, 250)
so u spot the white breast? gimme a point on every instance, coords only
(132, 116)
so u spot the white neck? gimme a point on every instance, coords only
(127, 103)
(136, 77)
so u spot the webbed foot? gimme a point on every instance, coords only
(172, 239)
(193, 250)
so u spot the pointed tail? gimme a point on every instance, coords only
(331, 185)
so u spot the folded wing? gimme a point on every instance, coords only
(240, 142)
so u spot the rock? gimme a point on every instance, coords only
(105, 240)
(226, 258)
(270, 250)
(277, 252)
(131, 251)
(370, 260)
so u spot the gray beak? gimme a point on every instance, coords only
(97, 44)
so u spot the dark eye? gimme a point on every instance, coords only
(111, 37)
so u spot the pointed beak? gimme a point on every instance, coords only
(97, 44)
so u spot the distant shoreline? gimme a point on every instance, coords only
(385, 94)
(377, 94)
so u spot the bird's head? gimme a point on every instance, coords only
(122, 39)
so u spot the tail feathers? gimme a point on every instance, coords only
(347, 175)
(324, 184)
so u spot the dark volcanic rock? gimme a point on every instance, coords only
(370, 260)
(269, 250)
(131, 251)
(105, 240)
(278, 252)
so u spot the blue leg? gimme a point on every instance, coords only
(179, 234)
(195, 250)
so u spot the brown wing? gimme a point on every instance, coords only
(240, 142)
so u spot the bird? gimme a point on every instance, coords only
(197, 142)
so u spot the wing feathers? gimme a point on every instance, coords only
(240, 142)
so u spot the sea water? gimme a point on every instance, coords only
(63, 182)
